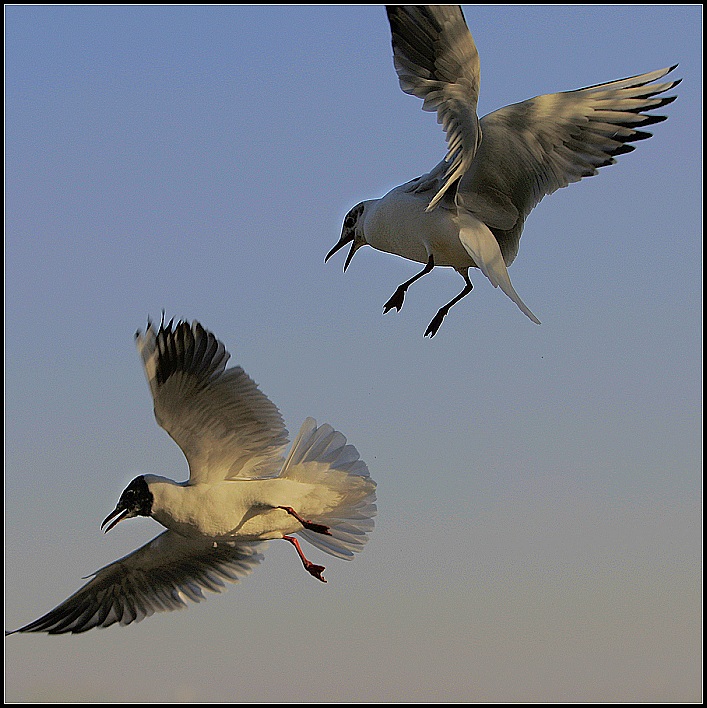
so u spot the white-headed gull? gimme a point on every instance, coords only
(469, 211)
(241, 489)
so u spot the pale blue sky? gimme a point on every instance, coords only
(539, 527)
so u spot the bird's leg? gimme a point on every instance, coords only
(311, 568)
(311, 525)
(396, 301)
(442, 312)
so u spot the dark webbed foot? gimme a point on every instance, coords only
(310, 525)
(442, 312)
(396, 300)
(433, 326)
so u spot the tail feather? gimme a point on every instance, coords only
(321, 455)
(482, 246)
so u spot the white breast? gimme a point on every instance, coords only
(399, 224)
(233, 509)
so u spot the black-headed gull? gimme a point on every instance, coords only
(241, 489)
(469, 211)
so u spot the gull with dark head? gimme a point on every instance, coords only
(470, 209)
(242, 490)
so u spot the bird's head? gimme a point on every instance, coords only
(351, 232)
(136, 500)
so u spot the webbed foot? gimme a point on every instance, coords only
(311, 568)
(310, 525)
(396, 300)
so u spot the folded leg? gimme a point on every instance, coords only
(311, 525)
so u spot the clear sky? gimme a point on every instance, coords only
(539, 487)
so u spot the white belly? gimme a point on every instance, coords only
(399, 224)
(236, 510)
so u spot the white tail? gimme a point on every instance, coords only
(482, 246)
(320, 456)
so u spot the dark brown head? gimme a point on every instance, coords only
(136, 500)
(351, 232)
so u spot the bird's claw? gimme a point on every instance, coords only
(434, 325)
(396, 301)
(318, 528)
(310, 525)
(311, 568)
(316, 571)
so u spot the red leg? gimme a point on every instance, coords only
(315, 570)
(311, 525)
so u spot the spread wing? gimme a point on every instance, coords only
(158, 577)
(533, 148)
(436, 60)
(223, 423)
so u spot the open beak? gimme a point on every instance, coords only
(345, 238)
(342, 242)
(114, 517)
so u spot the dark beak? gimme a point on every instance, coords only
(114, 517)
(342, 242)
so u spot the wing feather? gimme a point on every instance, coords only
(223, 423)
(532, 148)
(436, 60)
(154, 578)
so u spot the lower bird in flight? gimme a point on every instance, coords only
(241, 492)
(470, 209)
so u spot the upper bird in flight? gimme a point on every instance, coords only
(241, 489)
(469, 210)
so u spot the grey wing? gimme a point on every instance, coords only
(436, 60)
(533, 148)
(158, 577)
(223, 423)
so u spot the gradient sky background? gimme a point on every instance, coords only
(539, 526)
